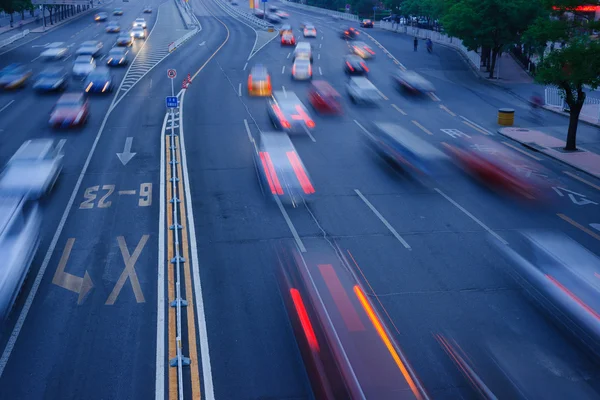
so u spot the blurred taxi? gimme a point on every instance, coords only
(288, 39)
(324, 98)
(497, 166)
(282, 174)
(354, 65)
(289, 114)
(99, 81)
(72, 109)
(259, 81)
(310, 31)
(285, 28)
(363, 50)
(14, 76)
(302, 69)
(117, 56)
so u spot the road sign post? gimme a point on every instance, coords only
(172, 102)
(171, 73)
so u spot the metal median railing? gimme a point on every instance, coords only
(337, 14)
(590, 112)
(249, 17)
(14, 38)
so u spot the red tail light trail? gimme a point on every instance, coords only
(270, 173)
(304, 320)
(300, 173)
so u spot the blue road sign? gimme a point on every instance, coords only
(374, 8)
(172, 102)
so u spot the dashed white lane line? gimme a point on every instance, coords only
(283, 69)
(310, 134)
(319, 56)
(320, 45)
(7, 105)
(434, 97)
(36, 58)
(284, 92)
(382, 95)
(320, 71)
(382, 219)
(477, 221)
(401, 111)
(289, 54)
(240, 90)
(478, 126)
(245, 65)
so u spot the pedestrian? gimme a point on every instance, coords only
(416, 43)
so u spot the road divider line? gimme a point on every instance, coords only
(284, 92)
(401, 111)
(36, 58)
(290, 225)
(427, 131)
(245, 65)
(382, 219)
(7, 105)
(319, 56)
(382, 95)
(475, 219)
(572, 175)
(521, 151)
(283, 69)
(320, 72)
(310, 134)
(443, 107)
(579, 226)
(240, 90)
(476, 128)
(433, 96)
(320, 45)
(474, 125)
(289, 54)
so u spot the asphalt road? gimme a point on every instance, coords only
(451, 282)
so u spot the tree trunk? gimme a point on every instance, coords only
(574, 112)
(495, 52)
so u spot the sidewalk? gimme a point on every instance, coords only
(582, 160)
(48, 27)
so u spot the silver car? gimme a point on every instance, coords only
(33, 170)
(83, 65)
(54, 53)
(20, 224)
(138, 33)
(89, 48)
(362, 91)
(302, 70)
(289, 114)
(139, 22)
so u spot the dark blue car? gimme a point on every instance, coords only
(117, 56)
(51, 79)
(99, 81)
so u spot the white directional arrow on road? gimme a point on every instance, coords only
(202, 44)
(581, 201)
(126, 155)
(595, 226)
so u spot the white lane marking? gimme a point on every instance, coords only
(245, 65)
(473, 123)
(398, 109)
(290, 225)
(240, 90)
(67, 57)
(362, 127)
(36, 58)
(283, 69)
(461, 208)
(289, 54)
(309, 134)
(103, 55)
(320, 72)
(385, 50)
(382, 95)
(284, 92)
(209, 391)
(59, 146)
(382, 219)
(160, 316)
(434, 97)
(320, 45)
(250, 137)
(322, 37)
(7, 105)
(319, 56)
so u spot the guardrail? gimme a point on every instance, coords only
(554, 98)
(337, 14)
(14, 38)
(251, 18)
(437, 37)
(182, 40)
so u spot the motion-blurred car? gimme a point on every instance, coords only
(273, 9)
(148, 10)
(397, 144)
(273, 18)
(282, 14)
(100, 17)
(138, 33)
(288, 39)
(281, 172)
(366, 23)
(118, 11)
(285, 28)
(563, 277)
(89, 48)
(303, 50)
(304, 24)
(412, 82)
(99, 80)
(499, 167)
(259, 81)
(53, 79)
(310, 31)
(124, 39)
(234, 3)
(348, 33)
(354, 65)
(258, 13)
(362, 91)
(14, 76)
(139, 22)
(117, 57)
(324, 98)
(289, 114)
(33, 170)
(71, 110)
(113, 27)
(83, 65)
(302, 69)
(56, 52)
(362, 50)
(20, 225)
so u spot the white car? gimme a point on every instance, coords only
(83, 65)
(89, 48)
(54, 53)
(302, 70)
(361, 90)
(141, 22)
(138, 33)
(310, 31)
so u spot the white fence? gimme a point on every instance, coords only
(14, 38)
(436, 37)
(554, 98)
(337, 14)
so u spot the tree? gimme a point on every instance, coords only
(493, 24)
(570, 57)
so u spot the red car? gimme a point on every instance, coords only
(288, 39)
(72, 109)
(324, 98)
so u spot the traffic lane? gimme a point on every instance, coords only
(248, 329)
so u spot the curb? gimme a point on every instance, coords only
(537, 149)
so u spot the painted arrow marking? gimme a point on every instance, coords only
(73, 283)
(595, 226)
(126, 155)
(202, 44)
(583, 200)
